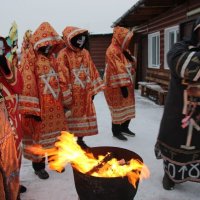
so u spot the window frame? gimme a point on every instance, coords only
(167, 32)
(150, 41)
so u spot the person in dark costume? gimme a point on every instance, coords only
(178, 142)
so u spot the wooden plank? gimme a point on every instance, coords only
(142, 86)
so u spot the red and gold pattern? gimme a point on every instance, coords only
(26, 41)
(8, 157)
(45, 35)
(12, 87)
(41, 94)
(69, 32)
(78, 68)
(122, 37)
(119, 72)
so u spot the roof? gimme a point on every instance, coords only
(145, 10)
(100, 34)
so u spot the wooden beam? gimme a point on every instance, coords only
(149, 10)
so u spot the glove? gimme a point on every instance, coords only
(36, 118)
(124, 91)
(3, 65)
(128, 56)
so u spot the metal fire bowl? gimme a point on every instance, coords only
(101, 188)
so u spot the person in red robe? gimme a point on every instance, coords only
(119, 82)
(9, 170)
(10, 154)
(76, 64)
(41, 102)
(11, 80)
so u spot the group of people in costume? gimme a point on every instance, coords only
(51, 89)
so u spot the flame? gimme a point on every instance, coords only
(67, 151)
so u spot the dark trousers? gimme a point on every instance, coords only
(124, 126)
(37, 166)
(117, 128)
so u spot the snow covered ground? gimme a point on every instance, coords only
(145, 125)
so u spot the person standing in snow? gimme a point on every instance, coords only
(77, 66)
(9, 170)
(11, 92)
(41, 101)
(178, 142)
(119, 82)
(10, 84)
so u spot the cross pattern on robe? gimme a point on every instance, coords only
(128, 68)
(46, 79)
(191, 124)
(77, 72)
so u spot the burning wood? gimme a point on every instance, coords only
(102, 163)
(67, 150)
(123, 162)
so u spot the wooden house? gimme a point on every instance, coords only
(157, 25)
(98, 44)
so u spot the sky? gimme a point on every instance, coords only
(95, 15)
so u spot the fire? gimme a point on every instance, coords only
(67, 151)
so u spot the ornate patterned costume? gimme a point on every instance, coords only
(10, 125)
(12, 87)
(11, 81)
(9, 170)
(84, 80)
(178, 141)
(41, 102)
(119, 81)
(119, 72)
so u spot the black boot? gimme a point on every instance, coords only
(125, 130)
(39, 168)
(82, 143)
(168, 184)
(22, 189)
(116, 129)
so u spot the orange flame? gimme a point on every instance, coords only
(67, 151)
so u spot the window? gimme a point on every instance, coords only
(154, 50)
(171, 37)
